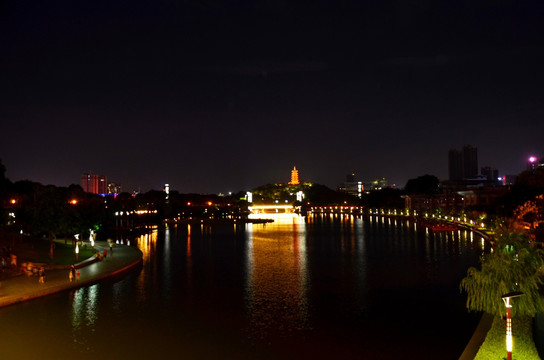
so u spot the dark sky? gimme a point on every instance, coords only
(216, 96)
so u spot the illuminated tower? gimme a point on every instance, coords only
(294, 177)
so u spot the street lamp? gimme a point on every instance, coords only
(77, 246)
(506, 298)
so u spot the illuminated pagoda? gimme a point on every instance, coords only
(294, 177)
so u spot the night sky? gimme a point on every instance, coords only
(217, 96)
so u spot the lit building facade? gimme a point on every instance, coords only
(351, 186)
(95, 184)
(114, 188)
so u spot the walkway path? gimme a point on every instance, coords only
(21, 287)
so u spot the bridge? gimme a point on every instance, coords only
(271, 209)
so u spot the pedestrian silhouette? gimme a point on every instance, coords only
(42, 275)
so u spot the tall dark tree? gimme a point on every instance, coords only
(51, 214)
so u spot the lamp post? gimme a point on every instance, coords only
(506, 298)
(77, 247)
(91, 238)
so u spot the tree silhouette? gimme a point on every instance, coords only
(426, 184)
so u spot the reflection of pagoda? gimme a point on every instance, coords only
(294, 177)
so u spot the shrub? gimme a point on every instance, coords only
(494, 346)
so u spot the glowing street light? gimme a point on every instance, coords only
(509, 344)
(77, 247)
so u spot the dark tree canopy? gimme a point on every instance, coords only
(534, 179)
(426, 184)
(2, 171)
(389, 198)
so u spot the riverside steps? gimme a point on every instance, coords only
(21, 287)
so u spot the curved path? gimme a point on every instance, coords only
(21, 288)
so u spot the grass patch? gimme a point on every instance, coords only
(494, 346)
(36, 250)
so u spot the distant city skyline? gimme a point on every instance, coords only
(101, 184)
(98, 184)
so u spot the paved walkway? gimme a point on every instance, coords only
(19, 288)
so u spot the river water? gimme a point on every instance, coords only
(317, 287)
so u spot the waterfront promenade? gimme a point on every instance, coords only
(19, 287)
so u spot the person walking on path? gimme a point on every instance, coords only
(72, 273)
(42, 275)
(110, 242)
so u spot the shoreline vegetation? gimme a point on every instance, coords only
(35, 250)
(494, 345)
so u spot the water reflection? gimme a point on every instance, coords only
(277, 277)
(84, 315)
(333, 286)
(147, 243)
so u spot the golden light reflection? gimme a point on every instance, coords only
(147, 244)
(189, 241)
(189, 260)
(277, 283)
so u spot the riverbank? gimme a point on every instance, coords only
(211, 222)
(19, 286)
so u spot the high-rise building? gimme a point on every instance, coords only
(534, 163)
(470, 162)
(463, 164)
(294, 177)
(93, 183)
(351, 186)
(455, 165)
(490, 173)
